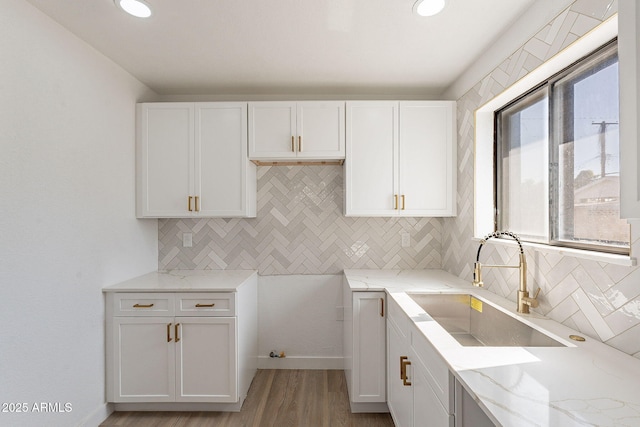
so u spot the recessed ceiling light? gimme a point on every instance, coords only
(428, 7)
(137, 8)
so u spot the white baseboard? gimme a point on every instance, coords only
(180, 406)
(299, 362)
(98, 416)
(369, 407)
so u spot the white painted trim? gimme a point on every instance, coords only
(181, 406)
(623, 260)
(95, 418)
(369, 407)
(484, 123)
(628, 44)
(296, 362)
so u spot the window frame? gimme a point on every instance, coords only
(607, 52)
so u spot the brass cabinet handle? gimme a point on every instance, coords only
(198, 203)
(189, 204)
(404, 362)
(205, 305)
(395, 202)
(381, 307)
(177, 334)
(168, 332)
(142, 305)
(293, 142)
(300, 143)
(402, 197)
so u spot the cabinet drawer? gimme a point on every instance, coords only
(143, 304)
(206, 304)
(437, 371)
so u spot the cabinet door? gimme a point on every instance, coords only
(164, 159)
(400, 396)
(272, 130)
(206, 359)
(320, 130)
(369, 352)
(372, 133)
(467, 410)
(427, 158)
(427, 409)
(221, 165)
(144, 359)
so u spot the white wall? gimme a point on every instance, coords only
(302, 316)
(511, 39)
(67, 214)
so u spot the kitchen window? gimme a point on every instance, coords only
(557, 174)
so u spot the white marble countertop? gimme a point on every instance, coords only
(185, 281)
(583, 384)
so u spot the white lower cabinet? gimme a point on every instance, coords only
(144, 360)
(206, 359)
(427, 409)
(420, 387)
(181, 347)
(365, 350)
(468, 412)
(180, 359)
(399, 388)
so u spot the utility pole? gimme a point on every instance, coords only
(603, 143)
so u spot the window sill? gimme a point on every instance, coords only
(623, 260)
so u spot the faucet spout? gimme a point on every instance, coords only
(524, 300)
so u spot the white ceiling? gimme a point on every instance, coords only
(290, 46)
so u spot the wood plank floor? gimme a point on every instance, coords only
(283, 398)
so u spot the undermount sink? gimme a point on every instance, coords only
(473, 322)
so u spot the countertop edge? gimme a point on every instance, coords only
(185, 281)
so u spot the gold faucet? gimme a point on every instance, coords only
(524, 300)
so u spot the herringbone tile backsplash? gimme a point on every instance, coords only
(599, 299)
(300, 229)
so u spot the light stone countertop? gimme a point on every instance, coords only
(583, 384)
(185, 281)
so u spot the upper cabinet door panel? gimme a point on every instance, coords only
(221, 158)
(320, 130)
(371, 152)
(165, 157)
(400, 159)
(272, 129)
(427, 158)
(192, 161)
(312, 130)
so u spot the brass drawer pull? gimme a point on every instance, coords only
(177, 332)
(198, 203)
(189, 204)
(300, 144)
(381, 307)
(293, 143)
(168, 332)
(142, 305)
(404, 362)
(402, 201)
(205, 305)
(395, 202)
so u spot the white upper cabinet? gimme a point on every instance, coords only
(296, 131)
(401, 158)
(628, 45)
(192, 161)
